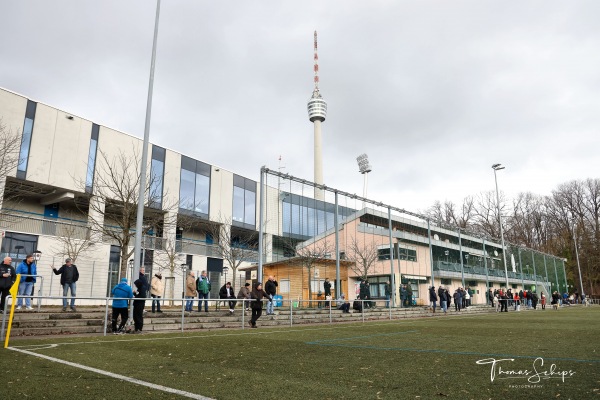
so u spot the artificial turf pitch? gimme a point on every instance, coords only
(426, 358)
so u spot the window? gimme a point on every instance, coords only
(244, 202)
(317, 286)
(383, 253)
(446, 281)
(18, 245)
(157, 175)
(305, 217)
(26, 140)
(89, 179)
(284, 286)
(114, 264)
(194, 187)
(407, 254)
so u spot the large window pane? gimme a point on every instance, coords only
(187, 189)
(250, 208)
(156, 185)
(238, 204)
(202, 194)
(89, 180)
(24, 154)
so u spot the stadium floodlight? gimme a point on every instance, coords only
(364, 167)
(498, 167)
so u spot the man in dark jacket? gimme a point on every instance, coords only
(142, 286)
(8, 277)
(271, 289)
(68, 278)
(388, 294)
(433, 298)
(226, 292)
(257, 294)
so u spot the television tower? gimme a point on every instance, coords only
(317, 111)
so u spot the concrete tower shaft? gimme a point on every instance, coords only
(317, 112)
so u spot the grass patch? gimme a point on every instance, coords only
(421, 358)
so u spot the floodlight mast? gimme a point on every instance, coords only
(498, 167)
(364, 167)
(317, 111)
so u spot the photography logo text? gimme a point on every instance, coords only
(538, 371)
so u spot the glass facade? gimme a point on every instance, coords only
(26, 140)
(91, 167)
(194, 187)
(157, 177)
(18, 245)
(304, 217)
(244, 202)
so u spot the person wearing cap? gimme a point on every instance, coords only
(121, 293)
(190, 290)
(156, 291)
(140, 294)
(257, 294)
(68, 279)
(244, 293)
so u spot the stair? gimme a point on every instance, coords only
(90, 320)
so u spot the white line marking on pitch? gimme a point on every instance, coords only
(116, 376)
(404, 321)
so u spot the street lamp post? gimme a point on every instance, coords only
(183, 278)
(498, 167)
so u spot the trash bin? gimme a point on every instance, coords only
(277, 300)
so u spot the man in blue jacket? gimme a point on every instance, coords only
(28, 270)
(121, 292)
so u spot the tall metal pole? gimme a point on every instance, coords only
(392, 277)
(260, 225)
(556, 274)
(337, 248)
(501, 229)
(565, 273)
(142, 188)
(534, 271)
(546, 268)
(430, 252)
(462, 266)
(578, 265)
(487, 278)
(521, 265)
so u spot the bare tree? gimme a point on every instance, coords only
(234, 245)
(364, 256)
(308, 255)
(116, 186)
(72, 240)
(10, 146)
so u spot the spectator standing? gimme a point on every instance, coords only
(342, 304)
(433, 298)
(8, 276)
(244, 293)
(141, 292)
(156, 291)
(555, 300)
(121, 293)
(467, 302)
(257, 294)
(457, 300)
(388, 294)
(403, 295)
(543, 301)
(409, 294)
(27, 269)
(68, 280)
(226, 292)
(190, 290)
(491, 297)
(327, 287)
(271, 290)
(503, 301)
(203, 287)
(443, 299)
(534, 300)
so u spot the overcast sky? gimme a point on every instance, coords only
(434, 92)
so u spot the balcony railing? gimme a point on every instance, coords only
(15, 221)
